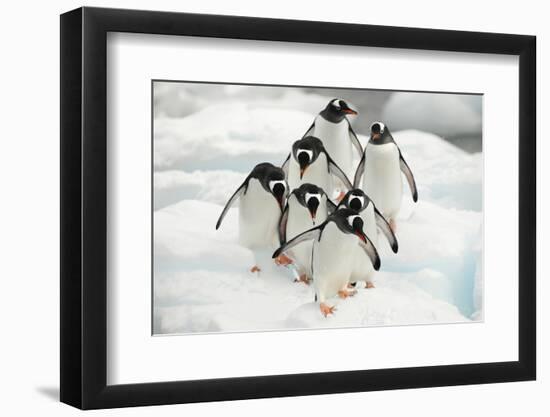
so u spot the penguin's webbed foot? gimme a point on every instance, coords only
(369, 284)
(326, 309)
(283, 260)
(303, 278)
(345, 293)
(255, 268)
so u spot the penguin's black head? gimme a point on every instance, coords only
(356, 200)
(379, 133)
(337, 109)
(273, 181)
(305, 151)
(309, 196)
(349, 221)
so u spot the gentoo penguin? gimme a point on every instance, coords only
(306, 206)
(334, 243)
(309, 162)
(357, 200)
(333, 128)
(381, 166)
(262, 196)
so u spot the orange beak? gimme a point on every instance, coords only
(350, 111)
(361, 236)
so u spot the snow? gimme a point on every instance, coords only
(443, 114)
(202, 281)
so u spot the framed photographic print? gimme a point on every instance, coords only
(257, 208)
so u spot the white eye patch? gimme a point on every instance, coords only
(382, 126)
(357, 197)
(272, 184)
(336, 103)
(309, 196)
(351, 219)
(306, 151)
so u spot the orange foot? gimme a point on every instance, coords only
(255, 268)
(340, 196)
(393, 226)
(303, 278)
(326, 309)
(369, 285)
(346, 293)
(283, 260)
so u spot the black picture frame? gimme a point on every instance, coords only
(84, 207)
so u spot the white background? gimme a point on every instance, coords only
(133, 60)
(29, 213)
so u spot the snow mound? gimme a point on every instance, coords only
(235, 137)
(444, 114)
(444, 173)
(202, 283)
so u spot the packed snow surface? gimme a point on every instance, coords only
(202, 281)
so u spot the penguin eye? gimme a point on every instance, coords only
(306, 151)
(310, 196)
(378, 127)
(351, 219)
(359, 198)
(273, 184)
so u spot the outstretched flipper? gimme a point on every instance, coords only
(371, 252)
(359, 172)
(386, 229)
(284, 167)
(331, 207)
(311, 234)
(354, 139)
(409, 175)
(240, 191)
(337, 172)
(282, 225)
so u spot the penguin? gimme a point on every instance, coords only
(306, 206)
(262, 196)
(309, 162)
(334, 243)
(373, 220)
(381, 166)
(334, 129)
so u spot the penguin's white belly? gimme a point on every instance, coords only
(299, 220)
(335, 138)
(259, 215)
(317, 174)
(382, 179)
(333, 260)
(362, 265)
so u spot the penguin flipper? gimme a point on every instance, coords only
(354, 139)
(359, 172)
(371, 252)
(309, 131)
(284, 167)
(282, 225)
(409, 175)
(386, 230)
(337, 172)
(240, 191)
(311, 234)
(331, 207)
